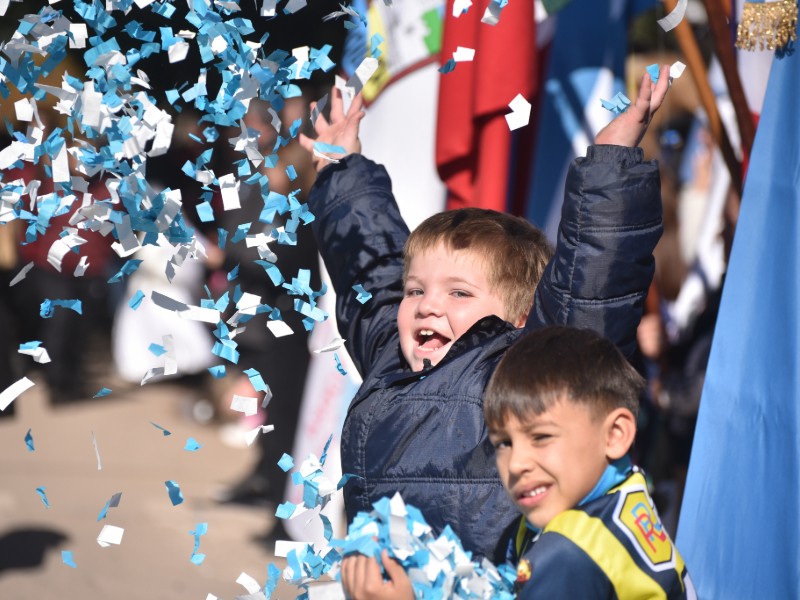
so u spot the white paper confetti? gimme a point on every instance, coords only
(13, 391)
(463, 54)
(110, 534)
(672, 20)
(520, 113)
(248, 582)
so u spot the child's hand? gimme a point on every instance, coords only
(341, 131)
(362, 579)
(629, 128)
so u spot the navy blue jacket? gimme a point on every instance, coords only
(423, 434)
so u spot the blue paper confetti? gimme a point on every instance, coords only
(136, 300)
(217, 371)
(102, 392)
(67, 559)
(29, 441)
(617, 105)
(363, 295)
(256, 380)
(329, 148)
(654, 71)
(47, 308)
(199, 530)
(285, 510)
(286, 462)
(339, 366)
(164, 431)
(273, 574)
(128, 268)
(204, 212)
(192, 445)
(43, 496)
(157, 349)
(447, 67)
(174, 490)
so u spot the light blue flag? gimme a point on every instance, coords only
(739, 526)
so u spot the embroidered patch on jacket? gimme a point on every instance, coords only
(637, 518)
(524, 572)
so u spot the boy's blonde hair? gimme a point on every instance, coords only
(514, 251)
(561, 363)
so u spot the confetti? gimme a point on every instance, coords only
(164, 431)
(112, 502)
(110, 534)
(29, 441)
(174, 491)
(671, 21)
(43, 496)
(363, 295)
(286, 462)
(13, 391)
(520, 114)
(192, 445)
(67, 559)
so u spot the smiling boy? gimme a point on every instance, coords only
(448, 301)
(561, 409)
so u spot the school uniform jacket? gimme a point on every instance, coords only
(611, 548)
(423, 434)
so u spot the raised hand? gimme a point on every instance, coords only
(629, 128)
(342, 130)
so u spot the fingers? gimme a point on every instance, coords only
(356, 105)
(393, 568)
(361, 577)
(661, 88)
(337, 105)
(403, 589)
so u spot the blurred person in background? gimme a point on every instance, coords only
(281, 361)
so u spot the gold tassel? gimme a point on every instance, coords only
(767, 25)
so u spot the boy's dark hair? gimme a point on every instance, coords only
(515, 252)
(556, 363)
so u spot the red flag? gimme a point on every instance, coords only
(473, 141)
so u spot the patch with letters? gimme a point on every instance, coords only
(637, 518)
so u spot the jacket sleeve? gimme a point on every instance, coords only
(361, 235)
(603, 264)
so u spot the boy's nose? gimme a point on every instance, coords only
(519, 462)
(429, 305)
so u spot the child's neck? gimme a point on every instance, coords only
(614, 474)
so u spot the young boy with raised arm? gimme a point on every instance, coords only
(561, 409)
(449, 300)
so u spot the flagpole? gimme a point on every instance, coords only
(694, 60)
(724, 48)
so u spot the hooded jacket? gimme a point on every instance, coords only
(423, 433)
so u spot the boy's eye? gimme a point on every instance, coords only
(500, 443)
(413, 292)
(460, 294)
(541, 437)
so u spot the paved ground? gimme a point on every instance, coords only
(153, 560)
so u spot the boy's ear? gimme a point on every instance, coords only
(519, 323)
(620, 426)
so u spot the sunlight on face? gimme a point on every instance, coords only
(446, 293)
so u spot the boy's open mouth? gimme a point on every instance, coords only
(428, 339)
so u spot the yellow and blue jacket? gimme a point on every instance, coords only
(612, 547)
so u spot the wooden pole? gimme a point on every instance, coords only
(723, 47)
(694, 61)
